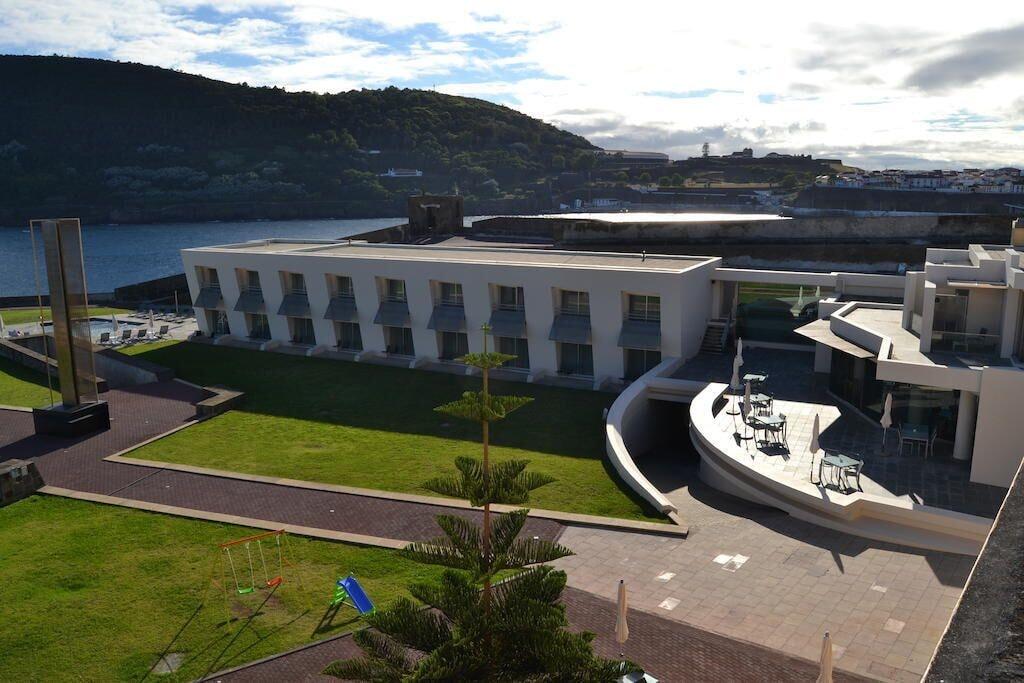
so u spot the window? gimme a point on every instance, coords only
(399, 341)
(344, 288)
(514, 346)
(510, 298)
(770, 312)
(454, 345)
(252, 281)
(451, 294)
(639, 361)
(302, 331)
(576, 359)
(575, 303)
(349, 337)
(208, 277)
(643, 307)
(259, 327)
(394, 290)
(218, 322)
(296, 283)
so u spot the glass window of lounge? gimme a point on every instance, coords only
(453, 345)
(343, 287)
(349, 336)
(644, 307)
(576, 359)
(640, 361)
(771, 312)
(259, 326)
(302, 331)
(450, 294)
(510, 298)
(517, 347)
(394, 290)
(295, 283)
(574, 303)
(398, 341)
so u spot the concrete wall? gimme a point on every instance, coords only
(997, 438)
(985, 310)
(685, 299)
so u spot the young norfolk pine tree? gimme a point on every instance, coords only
(476, 630)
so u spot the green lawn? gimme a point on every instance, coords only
(372, 426)
(16, 316)
(21, 386)
(93, 592)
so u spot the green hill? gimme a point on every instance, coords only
(85, 131)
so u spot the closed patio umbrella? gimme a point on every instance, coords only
(745, 407)
(621, 627)
(886, 420)
(2, 327)
(734, 384)
(116, 325)
(152, 322)
(739, 349)
(814, 445)
(825, 661)
(800, 299)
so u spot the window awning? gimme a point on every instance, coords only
(571, 329)
(393, 314)
(342, 309)
(294, 306)
(508, 324)
(821, 332)
(250, 302)
(208, 298)
(448, 319)
(640, 334)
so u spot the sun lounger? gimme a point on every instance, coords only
(141, 334)
(126, 335)
(105, 338)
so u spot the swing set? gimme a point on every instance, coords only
(245, 545)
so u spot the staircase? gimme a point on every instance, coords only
(716, 336)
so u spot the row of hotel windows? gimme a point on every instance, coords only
(573, 358)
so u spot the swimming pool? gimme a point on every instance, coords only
(100, 325)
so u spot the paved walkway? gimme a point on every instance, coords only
(747, 574)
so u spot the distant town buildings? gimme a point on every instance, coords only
(633, 159)
(1007, 179)
(402, 173)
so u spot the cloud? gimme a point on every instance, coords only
(817, 80)
(976, 57)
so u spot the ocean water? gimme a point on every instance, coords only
(117, 255)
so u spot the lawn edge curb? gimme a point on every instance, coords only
(567, 518)
(204, 515)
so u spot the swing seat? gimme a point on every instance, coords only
(246, 591)
(275, 582)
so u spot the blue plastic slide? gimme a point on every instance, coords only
(360, 600)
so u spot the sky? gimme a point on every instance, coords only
(880, 84)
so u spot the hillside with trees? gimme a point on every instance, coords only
(78, 132)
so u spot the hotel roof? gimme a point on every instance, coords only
(481, 255)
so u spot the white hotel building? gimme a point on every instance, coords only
(946, 342)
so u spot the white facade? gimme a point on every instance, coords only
(681, 284)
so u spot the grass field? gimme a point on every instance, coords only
(96, 593)
(21, 386)
(16, 316)
(372, 426)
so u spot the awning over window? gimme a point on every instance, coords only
(640, 334)
(393, 314)
(294, 306)
(250, 302)
(821, 332)
(572, 329)
(448, 319)
(508, 324)
(208, 298)
(342, 309)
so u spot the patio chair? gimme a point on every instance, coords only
(855, 469)
(126, 336)
(778, 431)
(104, 338)
(141, 334)
(164, 329)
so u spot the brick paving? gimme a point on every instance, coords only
(938, 481)
(668, 650)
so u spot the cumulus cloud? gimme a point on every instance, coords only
(866, 79)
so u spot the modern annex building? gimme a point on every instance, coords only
(944, 342)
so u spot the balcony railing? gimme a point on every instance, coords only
(574, 310)
(966, 342)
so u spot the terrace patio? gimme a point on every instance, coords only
(938, 481)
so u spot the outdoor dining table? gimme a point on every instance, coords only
(771, 421)
(839, 463)
(917, 433)
(755, 378)
(758, 400)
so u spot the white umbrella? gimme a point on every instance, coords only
(814, 446)
(886, 420)
(739, 350)
(152, 323)
(117, 325)
(621, 627)
(734, 384)
(3, 328)
(825, 662)
(745, 407)
(800, 299)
